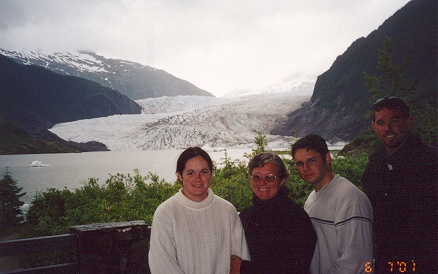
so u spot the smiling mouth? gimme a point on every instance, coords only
(390, 134)
(263, 189)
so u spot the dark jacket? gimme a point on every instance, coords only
(280, 236)
(403, 189)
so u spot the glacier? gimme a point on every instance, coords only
(183, 121)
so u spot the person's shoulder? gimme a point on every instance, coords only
(347, 194)
(224, 203)
(430, 150)
(378, 155)
(246, 211)
(346, 188)
(311, 195)
(296, 211)
(164, 213)
(293, 206)
(416, 145)
(170, 202)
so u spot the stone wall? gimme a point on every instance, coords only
(120, 247)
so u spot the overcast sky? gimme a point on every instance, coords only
(220, 46)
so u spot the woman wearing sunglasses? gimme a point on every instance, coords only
(279, 232)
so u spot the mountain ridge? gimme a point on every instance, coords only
(133, 79)
(36, 98)
(340, 101)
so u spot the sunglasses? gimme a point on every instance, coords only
(386, 98)
(391, 102)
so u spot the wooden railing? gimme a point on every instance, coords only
(38, 245)
(120, 247)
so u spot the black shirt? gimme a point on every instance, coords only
(280, 236)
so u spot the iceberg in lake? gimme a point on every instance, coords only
(37, 163)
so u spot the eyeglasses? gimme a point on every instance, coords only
(309, 162)
(270, 178)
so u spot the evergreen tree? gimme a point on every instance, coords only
(9, 202)
(260, 141)
(392, 80)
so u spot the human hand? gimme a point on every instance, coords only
(235, 264)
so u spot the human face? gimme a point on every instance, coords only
(391, 127)
(264, 190)
(317, 175)
(195, 178)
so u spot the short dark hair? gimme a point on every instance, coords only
(190, 153)
(392, 102)
(263, 158)
(311, 142)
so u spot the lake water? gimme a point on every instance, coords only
(72, 170)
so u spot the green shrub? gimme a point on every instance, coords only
(350, 166)
(231, 182)
(125, 197)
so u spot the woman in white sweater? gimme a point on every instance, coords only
(195, 231)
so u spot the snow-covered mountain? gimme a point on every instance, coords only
(135, 80)
(183, 121)
(299, 85)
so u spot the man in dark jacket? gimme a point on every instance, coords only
(401, 182)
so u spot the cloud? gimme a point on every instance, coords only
(219, 46)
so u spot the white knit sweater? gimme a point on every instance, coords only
(195, 237)
(341, 215)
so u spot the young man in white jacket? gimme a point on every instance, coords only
(341, 214)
